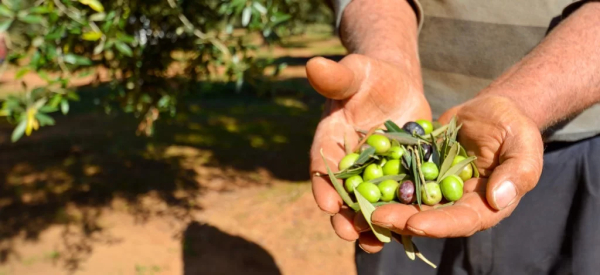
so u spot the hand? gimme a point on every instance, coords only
(361, 93)
(509, 151)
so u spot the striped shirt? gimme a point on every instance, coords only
(465, 44)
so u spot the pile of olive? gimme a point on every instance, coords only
(375, 181)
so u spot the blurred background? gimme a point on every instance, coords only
(162, 137)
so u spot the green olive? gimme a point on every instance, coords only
(380, 143)
(370, 191)
(388, 189)
(393, 167)
(348, 161)
(372, 171)
(434, 191)
(352, 182)
(430, 170)
(466, 172)
(395, 152)
(426, 125)
(452, 187)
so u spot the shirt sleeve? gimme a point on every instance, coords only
(340, 5)
(575, 6)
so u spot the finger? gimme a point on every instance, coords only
(521, 161)
(331, 79)
(343, 224)
(447, 116)
(394, 216)
(360, 224)
(325, 195)
(369, 243)
(467, 216)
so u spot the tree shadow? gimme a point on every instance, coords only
(210, 251)
(69, 173)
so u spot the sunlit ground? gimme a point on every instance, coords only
(223, 184)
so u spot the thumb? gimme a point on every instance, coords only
(521, 162)
(331, 79)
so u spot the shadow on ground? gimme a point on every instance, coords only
(209, 251)
(66, 174)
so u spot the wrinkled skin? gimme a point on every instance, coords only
(361, 93)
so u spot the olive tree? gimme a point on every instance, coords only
(138, 43)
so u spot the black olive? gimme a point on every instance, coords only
(427, 150)
(413, 127)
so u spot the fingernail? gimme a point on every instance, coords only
(359, 245)
(505, 194)
(416, 231)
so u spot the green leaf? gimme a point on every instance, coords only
(94, 4)
(416, 177)
(6, 12)
(19, 130)
(407, 157)
(259, 7)
(456, 169)
(246, 16)
(44, 119)
(393, 127)
(73, 96)
(399, 177)
(339, 187)
(447, 162)
(40, 10)
(98, 16)
(55, 101)
(91, 36)
(22, 72)
(421, 256)
(47, 109)
(408, 246)
(123, 48)
(351, 171)
(435, 155)
(125, 38)
(5, 24)
(365, 155)
(383, 235)
(439, 131)
(404, 138)
(31, 19)
(64, 106)
(77, 59)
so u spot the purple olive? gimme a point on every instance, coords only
(406, 192)
(413, 127)
(427, 150)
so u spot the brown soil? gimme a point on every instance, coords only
(77, 198)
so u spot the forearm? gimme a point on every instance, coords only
(561, 76)
(385, 30)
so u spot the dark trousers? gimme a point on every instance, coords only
(554, 230)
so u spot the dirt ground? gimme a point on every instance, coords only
(211, 194)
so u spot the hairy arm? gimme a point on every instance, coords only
(387, 30)
(561, 76)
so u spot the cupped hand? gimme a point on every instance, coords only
(509, 151)
(361, 93)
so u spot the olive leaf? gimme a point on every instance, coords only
(365, 155)
(404, 138)
(447, 162)
(435, 155)
(383, 235)
(420, 172)
(352, 170)
(406, 158)
(338, 186)
(463, 153)
(408, 246)
(416, 178)
(390, 177)
(422, 257)
(456, 169)
(439, 131)
(392, 127)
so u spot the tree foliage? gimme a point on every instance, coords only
(140, 44)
